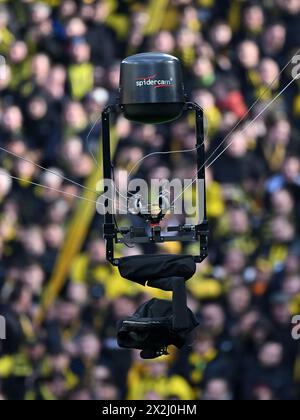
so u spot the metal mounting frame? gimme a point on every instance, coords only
(189, 233)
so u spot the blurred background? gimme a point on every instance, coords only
(60, 298)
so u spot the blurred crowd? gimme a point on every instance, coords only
(62, 68)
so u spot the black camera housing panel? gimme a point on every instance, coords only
(151, 88)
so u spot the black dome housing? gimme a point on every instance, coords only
(151, 88)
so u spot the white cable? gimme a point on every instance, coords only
(244, 130)
(55, 189)
(54, 173)
(45, 169)
(170, 152)
(48, 188)
(277, 78)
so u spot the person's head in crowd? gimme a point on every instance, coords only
(282, 203)
(104, 387)
(37, 350)
(260, 331)
(263, 392)
(20, 298)
(291, 169)
(101, 11)
(204, 71)
(138, 20)
(269, 72)
(5, 183)
(75, 28)
(123, 306)
(40, 67)
(56, 82)
(67, 9)
(82, 167)
(80, 394)
(59, 362)
(53, 182)
(6, 77)
(280, 309)
(58, 74)
(96, 102)
(204, 98)
(87, 12)
(282, 230)
(190, 18)
(37, 108)
(107, 391)
(244, 325)
(239, 300)
(248, 55)
(164, 42)
(253, 18)
(25, 169)
(203, 342)
(54, 236)
(229, 120)
(145, 133)
(75, 116)
(39, 12)
(66, 313)
(80, 51)
(279, 132)
(234, 261)
(128, 156)
(31, 238)
(237, 145)
(56, 385)
(71, 149)
(78, 293)
(89, 347)
(213, 318)
(158, 368)
(113, 77)
(182, 2)
(187, 38)
(274, 38)
(18, 52)
(270, 355)
(101, 374)
(217, 389)
(154, 396)
(4, 16)
(291, 285)
(290, 6)
(96, 251)
(220, 35)
(160, 173)
(292, 264)
(33, 275)
(12, 119)
(239, 222)
(57, 211)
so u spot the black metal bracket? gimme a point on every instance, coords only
(131, 235)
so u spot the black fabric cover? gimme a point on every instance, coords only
(151, 329)
(143, 268)
(158, 323)
(180, 309)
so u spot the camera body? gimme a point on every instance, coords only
(151, 88)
